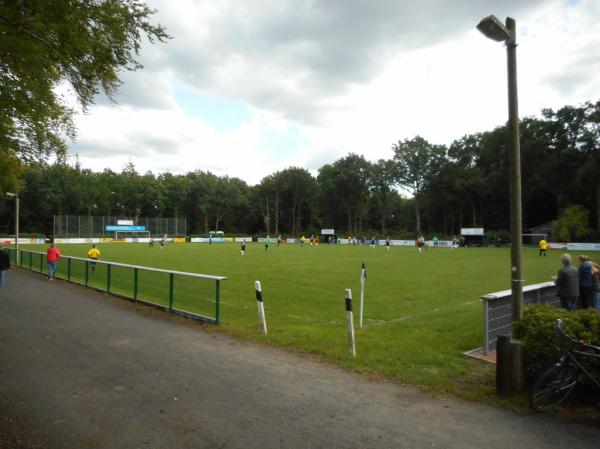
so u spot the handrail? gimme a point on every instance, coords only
(184, 273)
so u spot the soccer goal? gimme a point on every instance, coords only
(137, 235)
(532, 239)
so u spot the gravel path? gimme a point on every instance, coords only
(80, 369)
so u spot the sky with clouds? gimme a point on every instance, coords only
(246, 88)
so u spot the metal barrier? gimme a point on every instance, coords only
(497, 310)
(191, 295)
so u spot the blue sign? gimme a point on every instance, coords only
(126, 228)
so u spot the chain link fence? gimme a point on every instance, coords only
(88, 226)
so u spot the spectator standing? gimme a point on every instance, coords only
(94, 254)
(586, 283)
(4, 265)
(567, 283)
(52, 256)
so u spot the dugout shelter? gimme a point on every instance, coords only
(472, 236)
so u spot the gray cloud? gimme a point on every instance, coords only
(288, 55)
(584, 67)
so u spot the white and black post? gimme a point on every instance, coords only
(363, 279)
(261, 307)
(350, 318)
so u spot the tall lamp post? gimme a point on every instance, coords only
(509, 370)
(492, 28)
(16, 197)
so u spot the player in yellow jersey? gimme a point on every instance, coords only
(94, 254)
(543, 245)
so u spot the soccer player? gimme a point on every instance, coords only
(151, 244)
(435, 240)
(267, 241)
(302, 240)
(94, 254)
(543, 245)
(243, 247)
(421, 243)
(387, 243)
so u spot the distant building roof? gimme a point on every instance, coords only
(544, 228)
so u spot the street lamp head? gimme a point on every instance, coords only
(492, 28)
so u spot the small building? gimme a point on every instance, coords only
(472, 236)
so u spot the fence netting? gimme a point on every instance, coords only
(89, 226)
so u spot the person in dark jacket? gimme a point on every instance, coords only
(586, 283)
(567, 283)
(4, 265)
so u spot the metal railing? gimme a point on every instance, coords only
(188, 294)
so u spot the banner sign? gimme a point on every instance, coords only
(557, 245)
(125, 222)
(471, 231)
(327, 232)
(125, 228)
(583, 246)
(207, 240)
(241, 239)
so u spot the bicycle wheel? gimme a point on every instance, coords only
(552, 387)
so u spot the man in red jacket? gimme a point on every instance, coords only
(52, 257)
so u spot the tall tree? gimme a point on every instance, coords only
(381, 183)
(417, 161)
(46, 42)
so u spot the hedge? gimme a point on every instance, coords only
(541, 345)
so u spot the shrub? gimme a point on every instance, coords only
(541, 345)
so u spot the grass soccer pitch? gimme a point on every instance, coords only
(421, 311)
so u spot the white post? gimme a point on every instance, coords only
(352, 347)
(261, 307)
(363, 278)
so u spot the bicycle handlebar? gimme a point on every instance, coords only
(560, 330)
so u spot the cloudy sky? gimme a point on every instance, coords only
(249, 87)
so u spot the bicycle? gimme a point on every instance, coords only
(555, 384)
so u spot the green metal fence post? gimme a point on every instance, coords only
(41, 263)
(108, 278)
(135, 283)
(87, 273)
(68, 269)
(171, 282)
(218, 302)
(30, 261)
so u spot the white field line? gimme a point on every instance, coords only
(373, 322)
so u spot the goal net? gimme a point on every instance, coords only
(137, 235)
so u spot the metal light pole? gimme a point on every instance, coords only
(492, 28)
(16, 197)
(509, 355)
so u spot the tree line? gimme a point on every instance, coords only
(422, 188)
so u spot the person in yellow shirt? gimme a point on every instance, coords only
(94, 254)
(543, 246)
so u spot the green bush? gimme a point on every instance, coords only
(541, 344)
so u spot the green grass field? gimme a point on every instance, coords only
(422, 311)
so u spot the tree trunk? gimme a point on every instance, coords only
(598, 206)
(473, 211)
(383, 225)
(349, 221)
(293, 216)
(206, 223)
(417, 216)
(277, 212)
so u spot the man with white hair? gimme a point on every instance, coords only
(567, 283)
